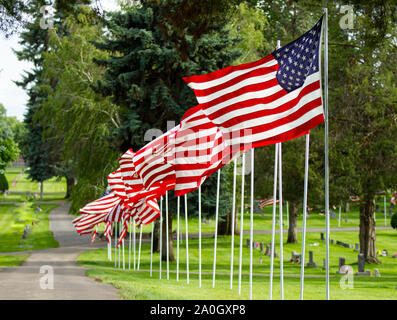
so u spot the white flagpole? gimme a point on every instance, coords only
(241, 223)
(110, 249)
(134, 240)
(327, 228)
(233, 218)
(140, 244)
(122, 243)
(161, 232)
(306, 181)
(115, 244)
(119, 246)
(273, 223)
(280, 206)
(199, 205)
(187, 242)
(216, 225)
(129, 255)
(385, 210)
(151, 250)
(177, 237)
(251, 222)
(167, 235)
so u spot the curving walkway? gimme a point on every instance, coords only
(70, 281)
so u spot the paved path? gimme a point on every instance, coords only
(70, 281)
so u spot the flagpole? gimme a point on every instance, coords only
(177, 237)
(151, 250)
(122, 244)
(134, 240)
(161, 232)
(280, 207)
(115, 244)
(199, 205)
(119, 245)
(241, 224)
(129, 255)
(167, 232)
(306, 181)
(287, 215)
(273, 223)
(216, 225)
(233, 220)
(187, 242)
(140, 244)
(110, 248)
(251, 221)
(327, 228)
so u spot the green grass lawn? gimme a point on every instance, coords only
(23, 183)
(138, 285)
(13, 220)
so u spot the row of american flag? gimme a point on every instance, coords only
(274, 99)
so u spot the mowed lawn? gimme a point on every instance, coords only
(139, 285)
(13, 220)
(19, 182)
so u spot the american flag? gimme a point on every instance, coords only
(265, 203)
(271, 100)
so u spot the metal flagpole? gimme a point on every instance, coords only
(216, 225)
(273, 222)
(115, 244)
(110, 249)
(199, 205)
(122, 243)
(385, 209)
(187, 242)
(280, 206)
(134, 240)
(151, 250)
(119, 246)
(327, 228)
(302, 278)
(161, 232)
(167, 239)
(251, 221)
(140, 244)
(241, 223)
(233, 219)
(129, 255)
(177, 238)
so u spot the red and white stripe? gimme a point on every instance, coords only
(248, 97)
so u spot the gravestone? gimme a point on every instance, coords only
(332, 241)
(248, 243)
(295, 257)
(322, 236)
(324, 264)
(267, 253)
(257, 208)
(377, 208)
(390, 211)
(357, 248)
(261, 247)
(311, 263)
(254, 245)
(385, 253)
(342, 262)
(346, 220)
(361, 266)
(332, 215)
(260, 260)
(376, 273)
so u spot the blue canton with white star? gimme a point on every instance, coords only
(298, 59)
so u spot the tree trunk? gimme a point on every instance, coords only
(164, 240)
(41, 189)
(293, 222)
(225, 227)
(347, 207)
(367, 233)
(69, 186)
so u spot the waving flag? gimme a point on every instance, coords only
(200, 150)
(274, 99)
